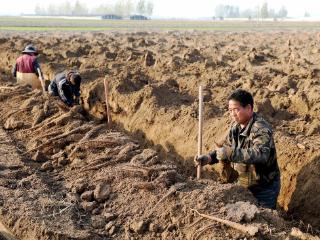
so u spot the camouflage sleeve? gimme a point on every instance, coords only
(228, 140)
(260, 150)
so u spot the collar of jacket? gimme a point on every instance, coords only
(246, 131)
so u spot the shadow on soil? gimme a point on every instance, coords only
(305, 200)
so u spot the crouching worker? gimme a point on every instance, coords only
(66, 85)
(250, 150)
(27, 68)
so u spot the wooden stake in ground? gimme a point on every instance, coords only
(200, 131)
(106, 93)
(42, 81)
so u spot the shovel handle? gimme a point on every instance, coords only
(41, 80)
(106, 93)
(200, 130)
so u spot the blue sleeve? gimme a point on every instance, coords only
(36, 66)
(64, 93)
(213, 156)
(76, 90)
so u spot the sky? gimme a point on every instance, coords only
(175, 8)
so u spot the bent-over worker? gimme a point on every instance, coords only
(66, 85)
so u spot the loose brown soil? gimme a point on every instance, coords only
(65, 175)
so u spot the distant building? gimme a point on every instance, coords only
(217, 18)
(111, 16)
(138, 17)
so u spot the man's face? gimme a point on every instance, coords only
(238, 113)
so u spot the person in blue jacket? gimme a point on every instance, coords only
(66, 85)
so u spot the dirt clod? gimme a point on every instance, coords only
(87, 196)
(240, 211)
(139, 227)
(102, 192)
(11, 123)
(39, 157)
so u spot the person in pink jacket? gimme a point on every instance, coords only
(27, 69)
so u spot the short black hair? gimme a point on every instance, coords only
(242, 96)
(76, 78)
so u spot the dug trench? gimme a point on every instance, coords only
(65, 175)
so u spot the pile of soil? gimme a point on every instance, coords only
(66, 175)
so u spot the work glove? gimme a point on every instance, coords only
(224, 153)
(202, 160)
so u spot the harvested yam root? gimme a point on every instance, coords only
(173, 189)
(98, 163)
(145, 185)
(67, 137)
(248, 230)
(164, 180)
(39, 117)
(86, 137)
(162, 171)
(49, 147)
(98, 144)
(67, 117)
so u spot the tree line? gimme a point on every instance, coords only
(229, 11)
(122, 8)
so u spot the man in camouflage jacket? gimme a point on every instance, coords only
(249, 148)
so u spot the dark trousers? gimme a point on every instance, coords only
(267, 194)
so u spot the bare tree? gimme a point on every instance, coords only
(120, 8)
(52, 10)
(272, 13)
(141, 7)
(248, 13)
(227, 11)
(103, 9)
(264, 10)
(65, 8)
(219, 11)
(79, 9)
(283, 12)
(150, 8)
(129, 7)
(39, 10)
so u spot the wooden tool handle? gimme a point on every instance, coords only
(200, 131)
(106, 92)
(41, 80)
